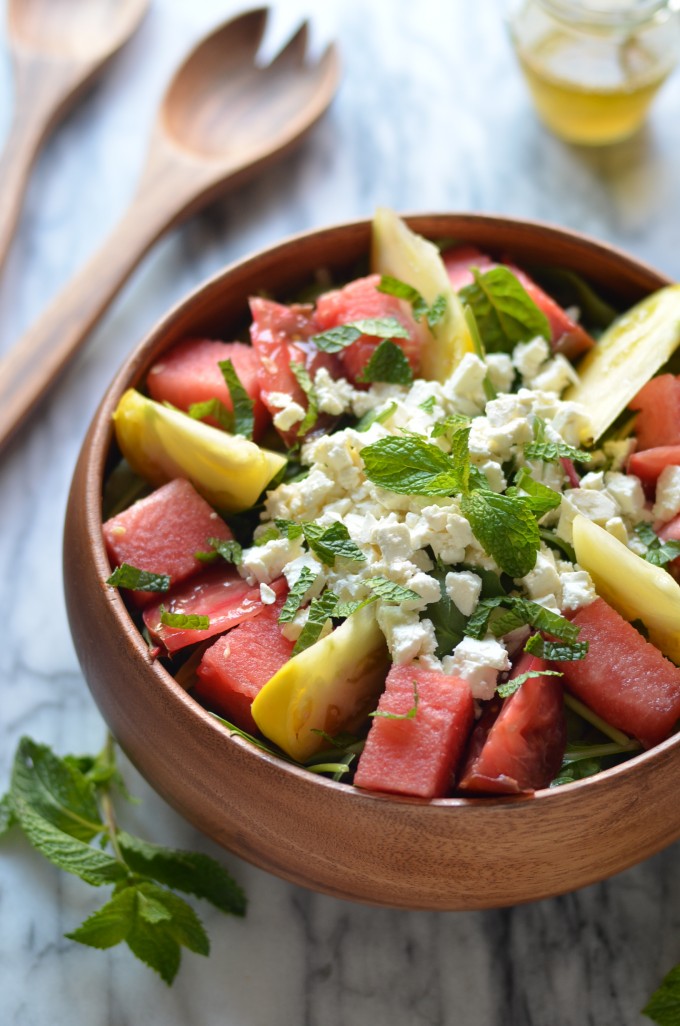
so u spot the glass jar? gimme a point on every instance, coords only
(594, 66)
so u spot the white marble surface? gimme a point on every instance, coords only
(431, 115)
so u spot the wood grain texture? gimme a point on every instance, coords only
(57, 46)
(224, 116)
(407, 853)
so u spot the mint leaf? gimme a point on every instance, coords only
(190, 872)
(437, 311)
(539, 497)
(184, 621)
(381, 327)
(296, 595)
(428, 404)
(659, 552)
(320, 610)
(503, 309)
(522, 612)
(394, 287)
(548, 452)
(244, 417)
(513, 685)
(506, 529)
(214, 408)
(331, 543)
(288, 528)
(375, 417)
(336, 339)
(303, 379)
(388, 364)
(271, 534)
(449, 426)
(556, 651)
(55, 791)
(7, 817)
(388, 591)
(127, 576)
(229, 550)
(410, 466)
(663, 1006)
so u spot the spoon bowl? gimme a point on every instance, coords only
(224, 116)
(70, 30)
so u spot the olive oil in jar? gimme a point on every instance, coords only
(593, 67)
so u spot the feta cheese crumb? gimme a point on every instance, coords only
(577, 589)
(479, 663)
(463, 588)
(267, 595)
(667, 503)
(285, 419)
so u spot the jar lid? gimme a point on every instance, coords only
(606, 13)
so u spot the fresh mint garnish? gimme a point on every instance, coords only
(502, 614)
(387, 364)
(659, 552)
(303, 379)
(331, 543)
(336, 339)
(448, 426)
(388, 591)
(542, 448)
(320, 611)
(513, 685)
(663, 1007)
(229, 550)
(540, 497)
(288, 528)
(428, 404)
(65, 808)
(297, 594)
(503, 310)
(410, 714)
(244, 417)
(127, 576)
(214, 408)
(556, 651)
(184, 621)
(376, 417)
(433, 313)
(410, 466)
(506, 528)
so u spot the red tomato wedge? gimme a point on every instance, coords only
(567, 336)
(648, 464)
(162, 533)
(624, 679)
(518, 745)
(238, 665)
(417, 756)
(219, 593)
(280, 336)
(658, 422)
(190, 373)
(361, 300)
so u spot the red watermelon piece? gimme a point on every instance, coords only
(648, 464)
(162, 532)
(624, 679)
(189, 373)
(566, 335)
(218, 593)
(658, 422)
(359, 300)
(235, 668)
(519, 743)
(281, 335)
(417, 756)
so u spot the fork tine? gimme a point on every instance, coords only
(293, 53)
(248, 28)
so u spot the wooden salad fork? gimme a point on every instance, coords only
(223, 117)
(57, 46)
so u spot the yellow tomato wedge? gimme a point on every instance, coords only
(400, 253)
(638, 590)
(330, 686)
(161, 443)
(627, 355)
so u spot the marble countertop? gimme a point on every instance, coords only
(431, 115)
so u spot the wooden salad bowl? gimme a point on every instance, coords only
(389, 851)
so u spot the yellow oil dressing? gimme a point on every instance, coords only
(592, 78)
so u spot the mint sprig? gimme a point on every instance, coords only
(297, 594)
(503, 310)
(184, 621)
(229, 550)
(214, 408)
(320, 611)
(388, 364)
(663, 1006)
(67, 814)
(401, 290)
(659, 552)
(556, 651)
(301, 375)
(331, 543)
(513, 685)
(336, 339)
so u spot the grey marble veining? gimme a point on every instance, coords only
(432, 114)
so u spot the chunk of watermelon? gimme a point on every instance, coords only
(519, 743)
(360, 300)
(566, 336)
(648, 464)
(162, 532)
(658, 422)
(624, 679)
(417, 756)
(218, 593)
(281, 335)
(238, 665)
(189, 373)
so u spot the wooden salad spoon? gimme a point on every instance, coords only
(222, 118)
(57, 47)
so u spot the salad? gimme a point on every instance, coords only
(403, 535)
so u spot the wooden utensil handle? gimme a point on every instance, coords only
(28, 370)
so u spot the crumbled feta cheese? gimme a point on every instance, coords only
(627, 493)
(544, 581)
(616, 527)
(479, 663)
(333, 395)
(267, 595)
(555, 376)
(262, 563)
(286, 419)
(667, 503)
(465, 387)
(529, 356)
(463, 588)
(577, 589)
(594, 505)
(407, 636)
(501, 371)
